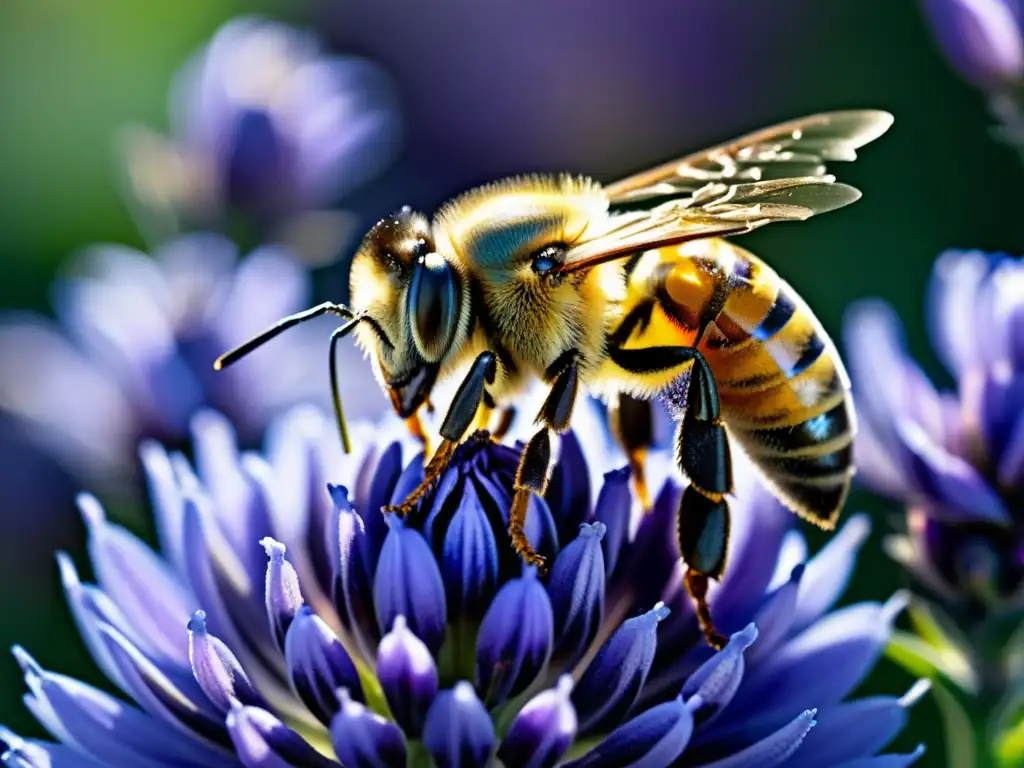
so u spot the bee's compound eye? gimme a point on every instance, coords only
(433, 306)
(548, 259)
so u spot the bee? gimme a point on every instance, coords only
(630, 292)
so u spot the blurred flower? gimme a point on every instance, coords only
(981, 38)
(984, 42)
(265, 125)
(956, 459)
(373, 641)
(132, 356)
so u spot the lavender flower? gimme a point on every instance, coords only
(286, 624)
(265, 125)
(131, 356)
(981, 38)
(956, 460)
(984, 41)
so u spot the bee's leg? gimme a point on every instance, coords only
(484, 413)
(535, 464)
(505, 418)
(415, 425)
(456, 422)
(702, 454)
(632, 422)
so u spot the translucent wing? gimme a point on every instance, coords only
(795, 149)
(777, 174)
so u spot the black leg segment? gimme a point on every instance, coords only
(703, 530)
(703, 455)
(535, 464)
(470, 395)
(460, 415)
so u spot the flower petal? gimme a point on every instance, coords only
(106, 728)
(718, 679)
(263, 741)
(178, 702)
(319, 665)
(653, 555)
(469, 557)
(773, 749)
(165, 496)
(855, 729)
(981, 39)
(955, 486)
(364, 739)
(386, 473)
(458, 731)
(543, 730)
(655, 737)
(886, 761)
(576, 588)
(515, 639)
(827, 573)
(956, 280)
(353, 581)
(140, 584)
(821, 665)
(90, 608)
(216, 669)
(568, 493)
(775, 617)
(614, 503)
(30, 753)
(408, 583)
(408, 676)
(283, 595)
(540, 528)
(614, 679)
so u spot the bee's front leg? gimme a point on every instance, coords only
(535, 464)
(458, 419)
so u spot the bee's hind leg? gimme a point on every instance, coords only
(458, 419)
(632, 423)
(535, 464)
(702, 452)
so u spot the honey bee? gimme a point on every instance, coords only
(629, 292)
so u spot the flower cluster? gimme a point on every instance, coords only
(267, 127)
(132, 359)
(288, 622)
(956, 459)
(269, 130)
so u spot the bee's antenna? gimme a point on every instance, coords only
(340, 333)
(259, 340)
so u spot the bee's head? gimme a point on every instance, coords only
(414, 303)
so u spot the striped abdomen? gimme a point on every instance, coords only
(785, 394)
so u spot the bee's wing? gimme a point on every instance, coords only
(777, 174)
(795, 149)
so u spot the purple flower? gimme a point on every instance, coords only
(956, 459)
(131, 356)
(981, 38)
(266, 125)
(287, 623)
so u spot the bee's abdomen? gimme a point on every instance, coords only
(784, 391)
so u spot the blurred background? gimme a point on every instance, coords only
(483, 89)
